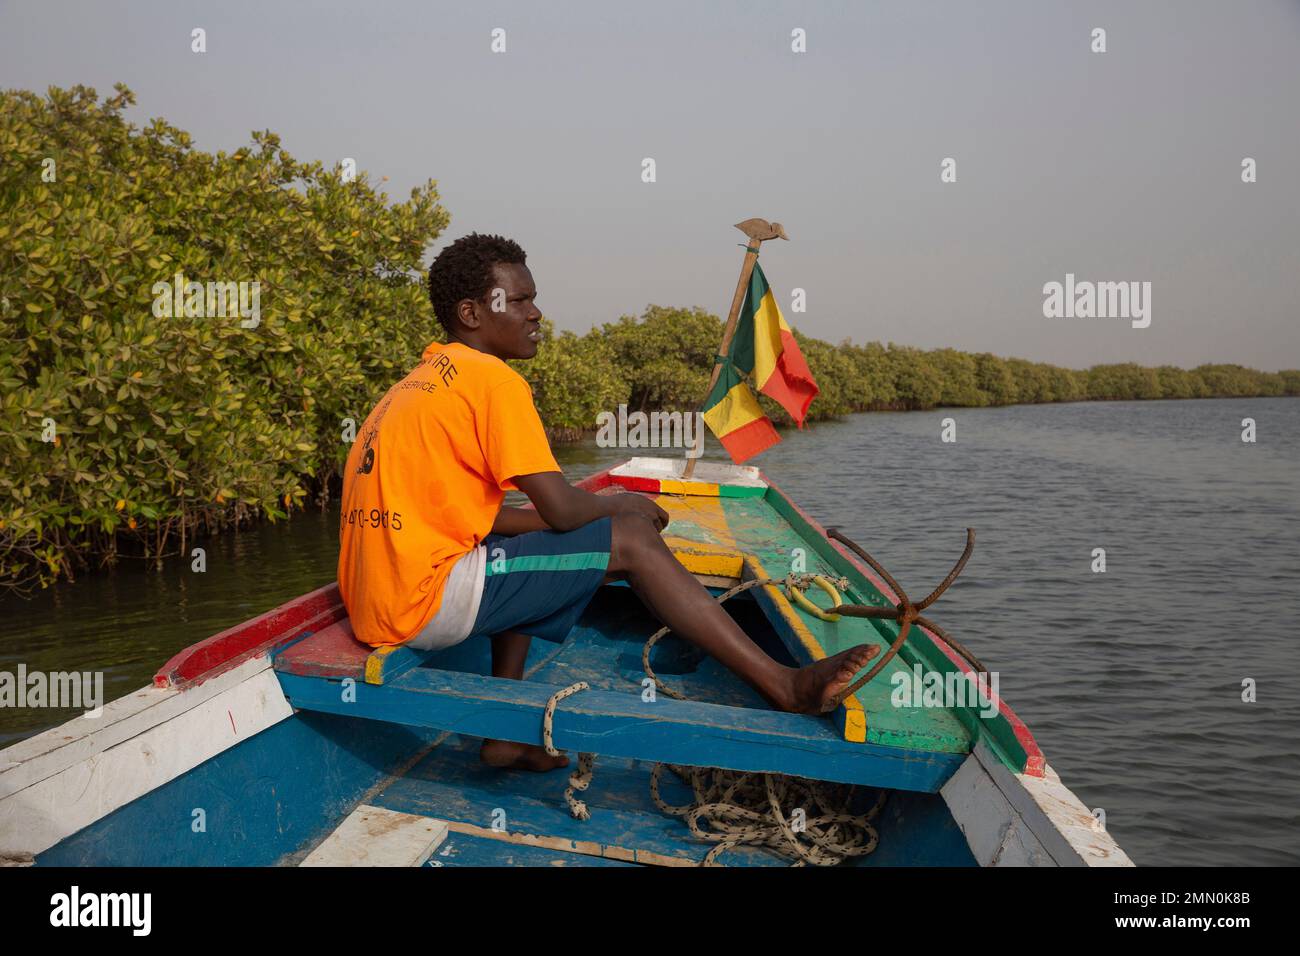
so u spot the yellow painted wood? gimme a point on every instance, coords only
(705, 558)
(719, 556)
(375, 663)
(717, 581)
(698, 518)
(854, 722)
(755, 526)
(671, 486)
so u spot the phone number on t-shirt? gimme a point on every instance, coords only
(374, 518)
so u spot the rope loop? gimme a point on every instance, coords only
(580, 779)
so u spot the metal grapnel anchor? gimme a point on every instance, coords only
(905, 612)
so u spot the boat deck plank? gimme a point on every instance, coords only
(451, 784)
(466, 850)
(378, 836)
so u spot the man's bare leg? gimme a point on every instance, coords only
(676, 598)
(509, 651)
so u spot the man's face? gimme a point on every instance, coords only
(509, 322)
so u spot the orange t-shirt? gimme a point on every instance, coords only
(424, 482)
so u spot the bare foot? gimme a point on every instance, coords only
(508, 755)
(816, 685)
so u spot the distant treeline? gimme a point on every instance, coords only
(662, 361)
(130, 431)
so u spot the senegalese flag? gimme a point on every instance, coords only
(764, 344)
(732, 411)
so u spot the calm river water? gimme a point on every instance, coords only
(1130, 679)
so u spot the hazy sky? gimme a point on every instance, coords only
(1115, 166)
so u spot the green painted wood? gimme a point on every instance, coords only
(740, 491)
(760, 528)
(996, 731)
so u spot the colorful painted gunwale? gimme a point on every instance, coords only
(760, 538)
(1005, 734)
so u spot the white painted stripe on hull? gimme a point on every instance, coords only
(36, 758)
(1010, 819)
(376, 836)
(708, 472)
(38, 816)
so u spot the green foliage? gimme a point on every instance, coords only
(168, 425)
(959, 373)
(1123, 381)
(917, 383)
(665, 357)
(574, 379)
(1178, 383)
(1000, 386)
(872, 386)
(1234, 381)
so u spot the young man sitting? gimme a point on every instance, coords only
(429, 556)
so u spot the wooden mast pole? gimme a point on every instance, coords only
(757, 230)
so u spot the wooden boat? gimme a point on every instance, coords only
(285, 741)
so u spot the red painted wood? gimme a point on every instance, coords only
(601, 479)
(632, 483)
(334, 651)
(1035, 762)
(233, 646)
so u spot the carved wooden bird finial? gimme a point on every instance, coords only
(760, 229)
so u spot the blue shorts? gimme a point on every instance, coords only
(539, 583)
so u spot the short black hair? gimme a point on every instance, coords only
(464, 271)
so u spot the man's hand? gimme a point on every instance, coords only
(629, 502)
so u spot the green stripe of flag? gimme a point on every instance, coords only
(742, 342)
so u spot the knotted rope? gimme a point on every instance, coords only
(580, 779)
(732, 809)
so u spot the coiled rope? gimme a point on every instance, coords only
(580, 779)
(732, 808)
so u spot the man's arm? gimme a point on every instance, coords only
(563, 507)
(511, 521)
